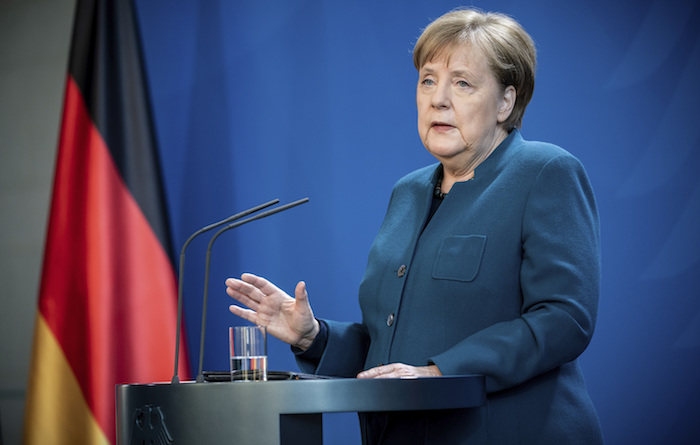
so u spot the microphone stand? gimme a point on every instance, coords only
(200, 376)
(240, 215)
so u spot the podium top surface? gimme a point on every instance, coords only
(322, 395)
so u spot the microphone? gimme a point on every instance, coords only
(200, 376)
(240, 215)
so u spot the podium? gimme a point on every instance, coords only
(284, 412)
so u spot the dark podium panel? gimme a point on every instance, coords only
(286, 412)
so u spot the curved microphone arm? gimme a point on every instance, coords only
(240, 215)
(200, 376)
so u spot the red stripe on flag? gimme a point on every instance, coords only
(108, 289)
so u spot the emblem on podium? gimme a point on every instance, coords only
(148, 427)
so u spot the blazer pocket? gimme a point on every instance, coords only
(459, 257)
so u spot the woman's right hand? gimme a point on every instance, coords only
(289, 319)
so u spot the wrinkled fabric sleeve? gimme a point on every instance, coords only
(560, 280)
(339, 350)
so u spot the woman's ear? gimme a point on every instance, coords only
(507, 104)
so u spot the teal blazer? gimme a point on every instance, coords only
(502, 281)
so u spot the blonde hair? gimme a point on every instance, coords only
(508, 48)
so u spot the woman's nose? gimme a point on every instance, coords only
(441, 96)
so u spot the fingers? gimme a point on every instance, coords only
(399, 370)
(265, 286)
(238, 291)
(303, 308)
(250, 289)
(378, 372)
(300, 293)
(245, 314)
(244, 286)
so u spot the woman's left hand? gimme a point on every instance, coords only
(400, 371)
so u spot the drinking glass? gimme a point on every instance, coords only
(248, 353)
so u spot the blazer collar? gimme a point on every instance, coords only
(491, 165)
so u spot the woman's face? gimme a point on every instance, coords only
(460, 106)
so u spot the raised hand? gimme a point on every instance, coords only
(289, 319)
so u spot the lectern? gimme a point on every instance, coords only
(284, 412)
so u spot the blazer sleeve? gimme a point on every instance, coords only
(345, 351)
(559, 280)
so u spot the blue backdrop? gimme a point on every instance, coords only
(288, 99)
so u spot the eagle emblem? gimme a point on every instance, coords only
(148, 427)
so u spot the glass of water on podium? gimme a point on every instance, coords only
(248, 353)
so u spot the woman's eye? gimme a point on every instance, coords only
(462, 83)
(428, 82)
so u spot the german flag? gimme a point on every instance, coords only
(108, 296)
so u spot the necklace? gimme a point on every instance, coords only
(438, 189)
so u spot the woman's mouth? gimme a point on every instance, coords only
(441, 126)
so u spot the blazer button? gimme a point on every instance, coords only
(390, 320)
(402, 271)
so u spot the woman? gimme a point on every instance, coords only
(486, 263)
